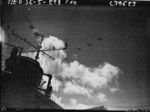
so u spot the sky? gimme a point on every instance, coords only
(107, 60)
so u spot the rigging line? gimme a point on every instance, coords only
(11, 45)
(24, 39)
(29, 22)
(27, 19)
(37, 55)
(31, 25)
(41, 50)
(36, 50)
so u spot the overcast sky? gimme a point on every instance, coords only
(107, 61)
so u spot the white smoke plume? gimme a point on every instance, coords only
(113, 90)
(56, 84)
(101, 97)
(73, 88)
(74, 77)
(97, 77)
(72, 103)
(51, 42)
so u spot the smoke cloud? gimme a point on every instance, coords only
(97, 77)
(101, 97)
(71, 104)
(74, 77)
(73, 88)
(52, 42)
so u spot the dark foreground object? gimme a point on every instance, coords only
(20, 80)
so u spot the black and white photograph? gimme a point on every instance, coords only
(75, 55)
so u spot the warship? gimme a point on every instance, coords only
(20, 87)
(21, 79)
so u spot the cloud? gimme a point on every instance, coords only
(50, 66)
(97, 77)
(75, 105)
(56, 84)
(57, 99)
(52, 42)
(71, 104)
(101, 97)
(113, 90)
(72, 88)
(73, 77)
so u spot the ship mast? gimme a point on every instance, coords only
(37, 55)
(36, 34)
(41, 36)
(25, 40)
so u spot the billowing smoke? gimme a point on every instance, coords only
(74, 77)
(71, 104)
(97, 77)
(52, 42)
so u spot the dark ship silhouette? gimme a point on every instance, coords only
(20, 84)
(21, 78)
